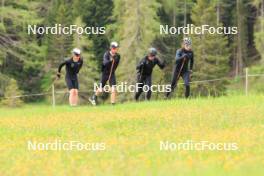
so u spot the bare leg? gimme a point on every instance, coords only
(113, 95)
(98, 91)
(75, 97)
(71, 97)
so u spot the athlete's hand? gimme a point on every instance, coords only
(185, 56)
(112, 58)
(143, 64)
(58, 75)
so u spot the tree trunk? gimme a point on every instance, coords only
(239, 56)
(185, 13)
(218, 13)
(262, 15)
(174, 24)
(3, 5)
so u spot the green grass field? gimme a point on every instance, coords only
(132, 133)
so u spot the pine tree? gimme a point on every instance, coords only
(210, 51)
(58, 46)
(241, 47)
(97, 13)
(10, 91)
(240, 13)
(136, 28)
(259, 35)
(21, 57)
(173, 13)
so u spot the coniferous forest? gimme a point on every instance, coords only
(29, 62)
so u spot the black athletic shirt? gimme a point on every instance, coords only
(146, 66)
(184, 64)
(107, 63)
(72, 68)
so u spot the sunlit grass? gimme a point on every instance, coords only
(132, 133)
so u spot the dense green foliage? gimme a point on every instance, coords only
(211, 51)
(32, 60)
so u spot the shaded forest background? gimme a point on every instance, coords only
(28, 63)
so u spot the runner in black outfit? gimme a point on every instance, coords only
(183, 67)
(73, 66)
(110, 62)
(144, 72)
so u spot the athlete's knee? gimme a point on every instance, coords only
(187, 84)
(71, 91)
(99, 90)
(75, 91)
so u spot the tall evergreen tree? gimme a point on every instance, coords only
(136, 28)
(10, 91)
(21, 57)
(173, 13)
(240, 13)
(61, 45)
(97, 13)
(259, 35)
(211, 51)
(58, 46)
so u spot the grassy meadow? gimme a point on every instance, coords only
(132, 133)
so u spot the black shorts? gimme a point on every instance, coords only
(105, 78)
(72, 83)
